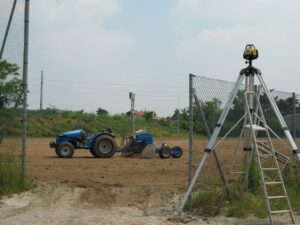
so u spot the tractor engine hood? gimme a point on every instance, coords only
(72, 133)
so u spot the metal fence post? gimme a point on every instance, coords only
(294, 116)
(191, 132)
(25, 84)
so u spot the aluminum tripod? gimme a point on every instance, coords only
(248, 74)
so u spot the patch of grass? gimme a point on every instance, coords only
(12, 179)
(254, 177)
(208, 202)
(246, 204)
(212, 201)
(292, 182)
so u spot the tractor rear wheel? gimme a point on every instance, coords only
(65, 150)
(92, 152)
(104, 147)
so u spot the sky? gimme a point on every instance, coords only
(94, 52)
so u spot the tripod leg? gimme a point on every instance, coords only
(279, 117)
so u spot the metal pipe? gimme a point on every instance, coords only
(191, 132)
(7, 28)
(25, 84)
(294, 116)
(251, 90)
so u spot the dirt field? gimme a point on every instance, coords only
(85, 190)
(86, 171)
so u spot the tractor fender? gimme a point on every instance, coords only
(102, 133)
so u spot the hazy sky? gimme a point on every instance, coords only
(93, 52)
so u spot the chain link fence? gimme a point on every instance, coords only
(11, 92)
(289, 107)
(207, 100)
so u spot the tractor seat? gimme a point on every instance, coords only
(83, 136)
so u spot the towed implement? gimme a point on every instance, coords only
(103, 145)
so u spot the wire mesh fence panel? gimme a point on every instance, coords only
(210, 96)
(288, 104)
(13, 46)
(11, 87)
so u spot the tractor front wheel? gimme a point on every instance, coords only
(65, 150)
(104, 147)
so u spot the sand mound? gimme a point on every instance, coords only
(55, 203)
(66, 204)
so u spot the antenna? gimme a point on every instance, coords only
(132, 100)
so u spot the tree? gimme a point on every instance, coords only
(212, 111)
(238, 108)
(181, 116)
(175, 114)
(101, 111)
(10, 96)
(286, 105)
(149, 115)
(10, 85)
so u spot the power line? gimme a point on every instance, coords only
(109, 83)
(109, 94)
(49, 87)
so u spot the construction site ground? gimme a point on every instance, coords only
(87, 190)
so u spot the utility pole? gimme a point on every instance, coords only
(25, 84)
(132, 100)
(178, 116)
(42, 86)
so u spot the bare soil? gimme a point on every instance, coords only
(87, 171)
(87, 190)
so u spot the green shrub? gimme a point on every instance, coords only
(50, 122)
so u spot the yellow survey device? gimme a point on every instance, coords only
(250, 52)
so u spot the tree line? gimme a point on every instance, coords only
(212, 110)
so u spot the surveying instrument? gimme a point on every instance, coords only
(256, 138)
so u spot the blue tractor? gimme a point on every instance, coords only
(103, 145)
